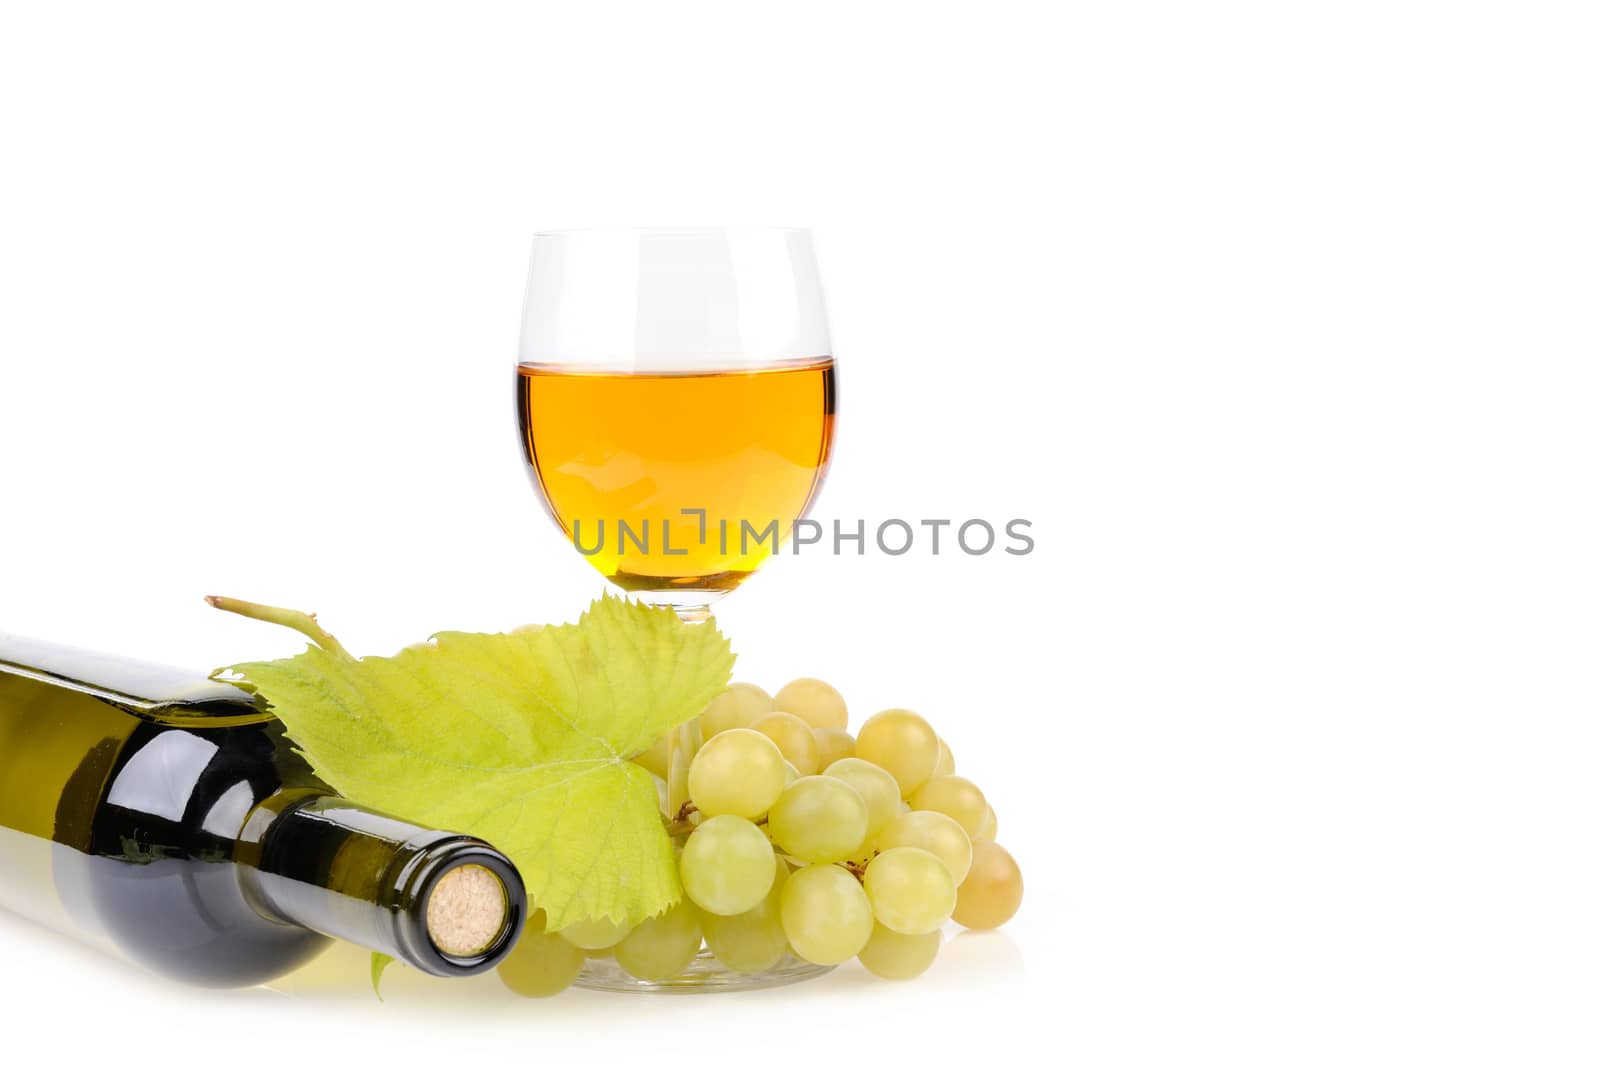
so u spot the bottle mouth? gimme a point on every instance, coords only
(462, 907)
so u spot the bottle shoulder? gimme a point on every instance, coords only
(119, 757)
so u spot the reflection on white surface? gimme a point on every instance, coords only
(27, 880)
(968, 961)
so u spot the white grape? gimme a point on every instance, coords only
(933, 832)
(738, 771)
(727, 865)
(736, 707)
(895, 956)
(993, 889)
(596, 934)
(656, 758)
(955, 797)
(793, 737)
(832, 745)
(946, 763)
(752, 941)
(663, 946)
(901, 742)
(540, 965)
(910, 889)
(989, 827)
(815, 702)
(826, 916)
(820, 819)
(875, 785)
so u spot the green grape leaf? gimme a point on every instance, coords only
(380, 962)
(523, 739)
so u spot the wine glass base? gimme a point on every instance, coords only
(692, 605)
(705, 975)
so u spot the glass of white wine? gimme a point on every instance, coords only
(676, 393)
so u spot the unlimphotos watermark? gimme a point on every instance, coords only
(890, 536)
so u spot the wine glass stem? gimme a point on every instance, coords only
(692, 613)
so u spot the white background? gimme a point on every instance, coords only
(1277, 320)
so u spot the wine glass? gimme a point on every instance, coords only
(675, 393)
(676, 396)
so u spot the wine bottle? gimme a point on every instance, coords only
(166, 816)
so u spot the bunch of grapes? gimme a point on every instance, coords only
(800, 838)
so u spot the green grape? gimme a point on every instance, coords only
(875, 785)
(820, 819)
(793, 737)
(947, 761)
(738, 771)
(540, 965)
(956, 797)
(726, 865)
(933, 832)
(596, 934)
(863, 854)
(752, 941)
(911, 890)
(989, 827)
(663, 946)
(894, 956)
(816, 703)
(736, 707)
(832, 745)
(993, 889)
(901, 742)
(655, 759)
(826, 916)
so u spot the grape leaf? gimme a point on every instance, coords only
(523, 739)
(379, 963)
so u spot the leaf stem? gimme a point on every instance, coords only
(298, 620)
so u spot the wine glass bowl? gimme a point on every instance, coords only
(676, 396)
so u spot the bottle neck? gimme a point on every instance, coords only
(447, 904)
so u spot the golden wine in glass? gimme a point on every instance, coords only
(620, 458)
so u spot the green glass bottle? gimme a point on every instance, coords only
(165, 816)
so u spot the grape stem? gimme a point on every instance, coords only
(680, 825)
(299, 621)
